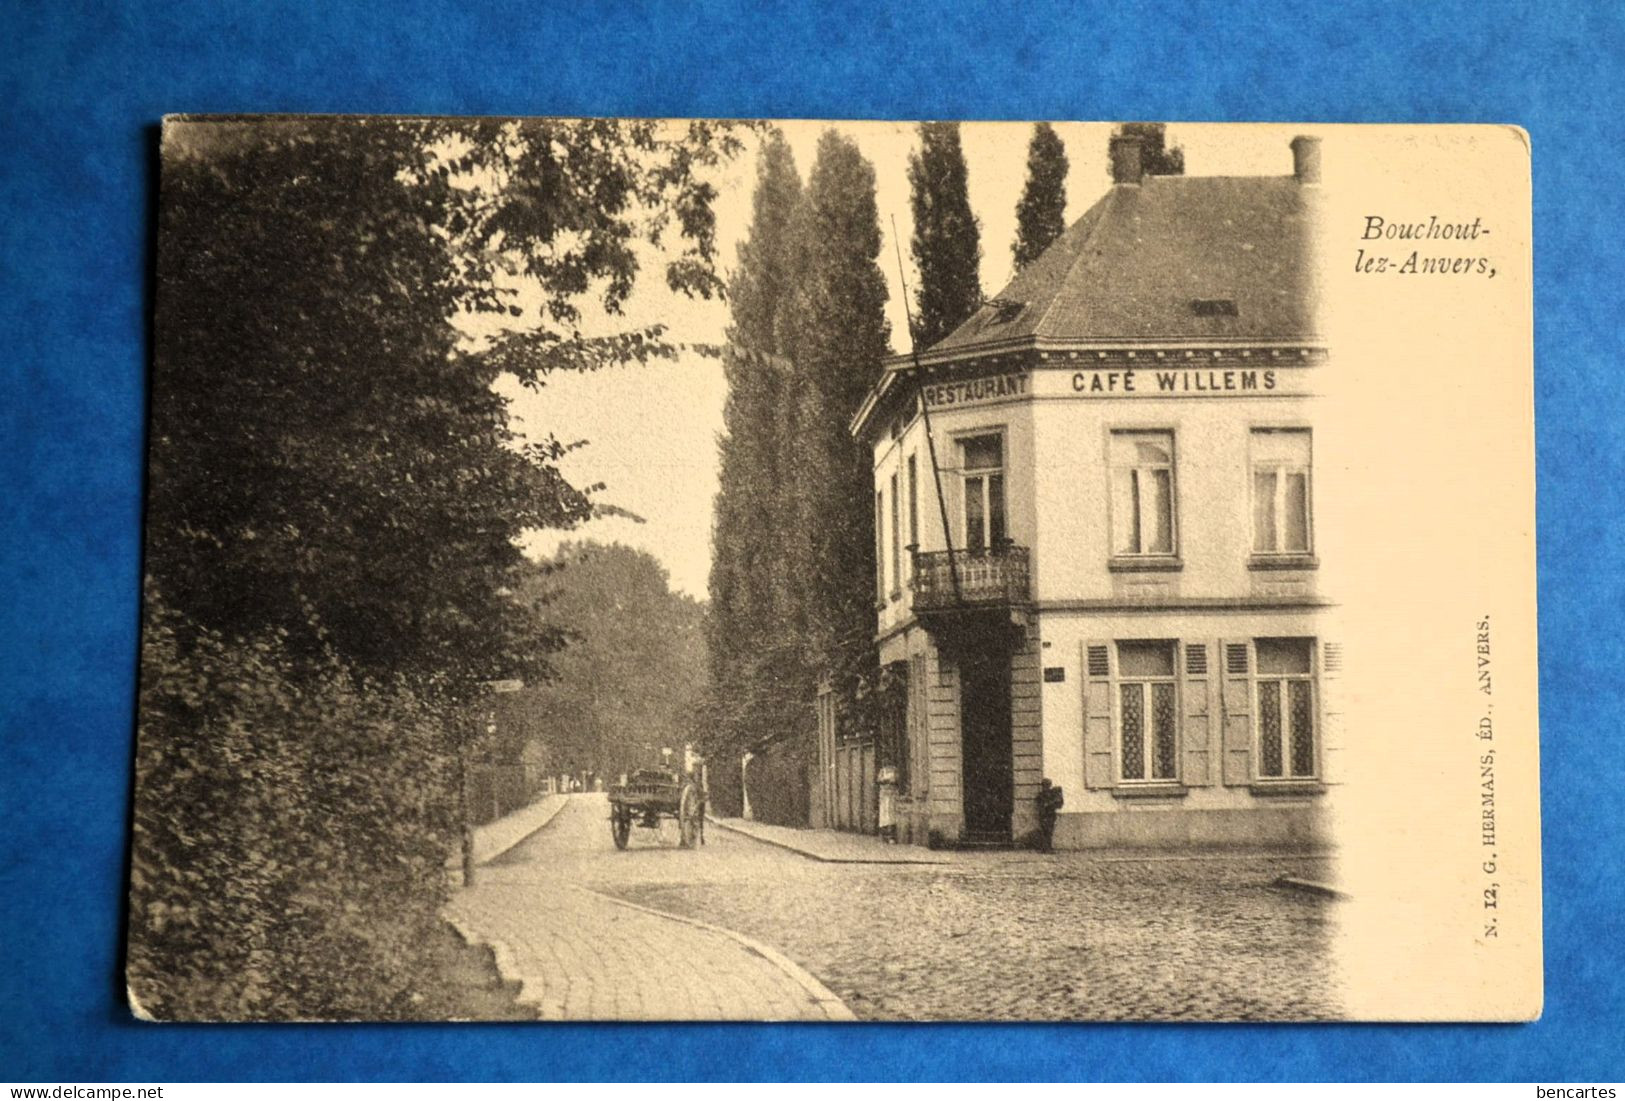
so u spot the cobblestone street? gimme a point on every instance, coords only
(583, 955)
(1004, 936)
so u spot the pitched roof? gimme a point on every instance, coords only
(1174, 258)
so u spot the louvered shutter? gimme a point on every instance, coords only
(1237, 694)
(1099, 661)
(1331, 711)
(1196, 729)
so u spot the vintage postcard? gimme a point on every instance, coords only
(646, 570)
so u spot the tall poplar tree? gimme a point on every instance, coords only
(947, 248)
(837, 336)
(753, 617)
(1041, 213)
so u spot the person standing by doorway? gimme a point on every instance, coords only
(886, 815)
(1050, 800)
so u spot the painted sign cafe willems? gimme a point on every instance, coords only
(1124, 444)
(1125, 382)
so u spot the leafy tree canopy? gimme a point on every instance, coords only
(328, 455)
(632, 675)
(335, 498)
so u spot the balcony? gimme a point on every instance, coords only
(988, 578)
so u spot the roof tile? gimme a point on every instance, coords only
(1134, 266)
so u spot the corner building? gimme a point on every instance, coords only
(1095, 519)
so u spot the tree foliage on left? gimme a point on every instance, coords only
(335, 496)
(632, 680)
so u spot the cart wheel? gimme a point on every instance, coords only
(689, 821)
(620, 826)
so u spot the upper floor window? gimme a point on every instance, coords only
(981, 462)
(913, 503)
(1142, 493)
(896, 541)
(1280, 458)
(880, 546)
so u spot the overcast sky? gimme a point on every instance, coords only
(652, 430)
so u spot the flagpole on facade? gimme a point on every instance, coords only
(925, 415)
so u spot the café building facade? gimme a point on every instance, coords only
(1095, 519)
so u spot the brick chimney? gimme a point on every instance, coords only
(1128, 158)
(1306, 159)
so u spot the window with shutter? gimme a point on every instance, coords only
(1236, 696)
(1235, 657)
(1331, 711)
(1285, 695)
(1099, 661)
(1099, 769)
(1148, 723)
(1195, 659)
(1333, 660)
(1196, 728)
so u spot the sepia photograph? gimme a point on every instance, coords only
(623, 569)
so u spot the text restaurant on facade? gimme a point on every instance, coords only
(1121, 448)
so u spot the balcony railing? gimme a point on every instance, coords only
(988, 577)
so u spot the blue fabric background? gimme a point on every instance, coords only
(81, 90)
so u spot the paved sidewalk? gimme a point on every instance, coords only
(582, 955)
(834, 846)
(495, 838)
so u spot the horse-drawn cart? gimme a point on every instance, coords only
(650, 794)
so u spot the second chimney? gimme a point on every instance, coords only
(1306, 159)
(1128, 158)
